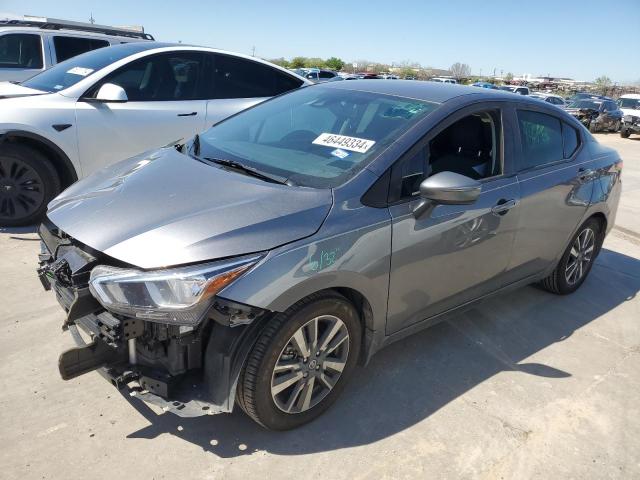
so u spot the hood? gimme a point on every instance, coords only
(164, 208)
(11, 90)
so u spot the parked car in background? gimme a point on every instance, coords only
(443, 80)
(597, 114)
(33, 44)
(556, 100)
(389, 76)
(112, 103)
(367, 76)
(484, 85)
(630, 107)
(585, 95)
(520, 90)
(257, 265)
(317, 75)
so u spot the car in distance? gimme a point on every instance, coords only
(257, 264)
(630, 106)
(317, 75)
(443, 80)
(597, 114)
(29, 45)
(484, 85)
(556, 100)
(515, 89)
(112, 103)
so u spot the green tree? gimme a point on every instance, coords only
(508, 77)
(298, 62)
(602, 84)
(334, 63)
(281, 61)
(314, 62)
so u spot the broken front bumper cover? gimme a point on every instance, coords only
(187, 394)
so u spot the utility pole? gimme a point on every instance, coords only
(91, 19)
(253, 51)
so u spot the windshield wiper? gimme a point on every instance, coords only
(250, 171)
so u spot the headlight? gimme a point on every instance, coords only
(179, 296)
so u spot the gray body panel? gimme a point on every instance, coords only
(408, 271)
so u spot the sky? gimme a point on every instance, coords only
(562, 38)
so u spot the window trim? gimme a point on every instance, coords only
(453, 117)
(42, 53)
(520, 152)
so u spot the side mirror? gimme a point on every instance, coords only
(111, 93)
(446, 188)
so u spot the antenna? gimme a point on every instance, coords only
(91, 19)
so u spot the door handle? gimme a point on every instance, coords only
(192, 114)
(503, 206)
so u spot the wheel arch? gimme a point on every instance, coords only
(60, 161)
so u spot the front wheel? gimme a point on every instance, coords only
(577, 260)
(28, 182)
(624, 133)
(593, 128)
(301, 362)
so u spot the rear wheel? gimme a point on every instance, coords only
(301, 362)
(624, 133)
(28, 182)
(577, 260)
(593, 128)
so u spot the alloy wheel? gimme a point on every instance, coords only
(310, 364)
(21, 189)
(580, 256)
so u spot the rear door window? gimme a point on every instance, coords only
(570, 139)
(235, 77)
(69, 47)
(541, 138)
(21, 50)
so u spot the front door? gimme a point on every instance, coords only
(165, 104)
(458, 252)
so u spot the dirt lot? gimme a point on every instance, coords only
(528, 385)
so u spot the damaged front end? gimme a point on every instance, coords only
(186, 363)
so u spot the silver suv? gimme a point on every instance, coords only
(260, 262)
(29, 45)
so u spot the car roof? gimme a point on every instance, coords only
(419, 90)
(634, 96)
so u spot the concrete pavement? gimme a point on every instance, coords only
(527, 385)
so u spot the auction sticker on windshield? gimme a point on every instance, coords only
(360, 145)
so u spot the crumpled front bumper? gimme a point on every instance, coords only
(187, 399)
(209, 358)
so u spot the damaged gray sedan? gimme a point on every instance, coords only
(259, 263)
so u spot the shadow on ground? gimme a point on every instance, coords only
(408, 381)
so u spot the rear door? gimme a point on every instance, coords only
(554, 172)
(458, 252)
(237, 83)
(166, 103)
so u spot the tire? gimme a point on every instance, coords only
(561, 281)
(616, 126)
(28, 182)
(593, 127)
(276, 346)
(624, 133)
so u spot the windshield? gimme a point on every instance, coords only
(70, 72)
(316, 136)
(586, 104)
(629, 103)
